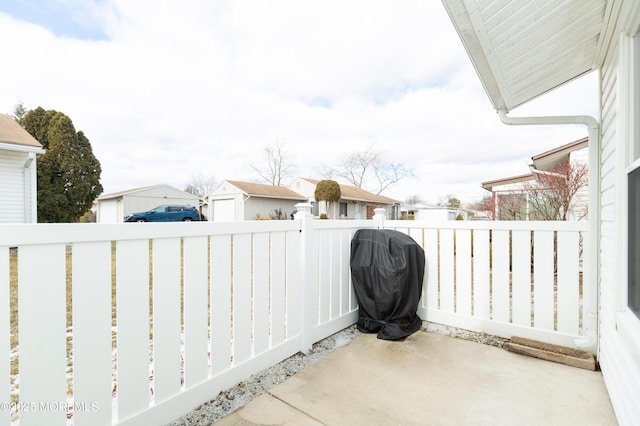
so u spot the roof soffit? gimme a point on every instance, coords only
(522, 50)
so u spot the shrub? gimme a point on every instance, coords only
(327, 190)
(278, 214)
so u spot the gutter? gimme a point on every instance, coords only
(590, 260)
(21, 148)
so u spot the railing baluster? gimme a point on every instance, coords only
(261, 323)
(324, 276)
(544, 280)
(431, 283)
(42, 333)
(196, 325)
(447, 289)
(463, 272)
(481, 273)
(334, 276)
(166, 318)
(521, 277)
(568, 277)
(292, 303)
(277, 277)
(220, 304)
(500, 276)
(132, 300)
(92, 310)
(242, 303)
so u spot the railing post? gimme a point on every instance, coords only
(306, 275)
(379, 216)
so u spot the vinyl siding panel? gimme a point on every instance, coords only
(12, 187)
(264, 207)
(620, 368)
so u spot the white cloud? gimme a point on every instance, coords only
(203, 87)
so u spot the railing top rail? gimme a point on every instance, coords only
(21, 234)
(344, 224)
(515, 225)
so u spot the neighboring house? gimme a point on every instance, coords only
(510, 198)
(234, 200)
(354, 203)
(18, 180)
(111, 208)
(436, 214)
(503, 192)
(549, 44)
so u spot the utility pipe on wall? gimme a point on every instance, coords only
(591, 304)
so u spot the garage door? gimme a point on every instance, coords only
(108, 212)
(224, 210)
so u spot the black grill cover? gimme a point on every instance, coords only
(387, 269)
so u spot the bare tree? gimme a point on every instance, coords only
(389, 174)
(487, 205)
(413, 199)
(359, 167)
(553, 195)
(355, 166)
(511, 206)
(200, 185)
(278, 169)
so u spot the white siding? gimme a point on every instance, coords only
(264, 207)
(618, 344)
(12, 186)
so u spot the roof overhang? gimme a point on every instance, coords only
(523, 49)
(21, 148)
(492, 184)
(554, 157)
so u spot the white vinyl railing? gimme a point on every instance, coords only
(140, 323)
(507, 278)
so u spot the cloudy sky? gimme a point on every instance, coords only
(167, 90)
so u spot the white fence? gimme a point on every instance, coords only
(507, 278)
(140, 323)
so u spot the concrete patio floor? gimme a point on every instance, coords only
(431, 379)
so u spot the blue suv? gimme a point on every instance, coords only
(166, 213)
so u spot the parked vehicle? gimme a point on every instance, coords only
(166, 213)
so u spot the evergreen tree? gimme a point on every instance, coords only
(19, 111)
(68, 173)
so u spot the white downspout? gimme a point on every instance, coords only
(591, 285)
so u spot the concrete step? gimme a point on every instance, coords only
(547, 351)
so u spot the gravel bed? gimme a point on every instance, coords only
(230, 400)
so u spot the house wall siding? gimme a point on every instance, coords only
(113, 210)
(264, 207)
(618, 348)
(12, 187)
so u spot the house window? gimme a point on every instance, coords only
(633, 293)
(315, 208)
(343, 209)
(633, 188)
